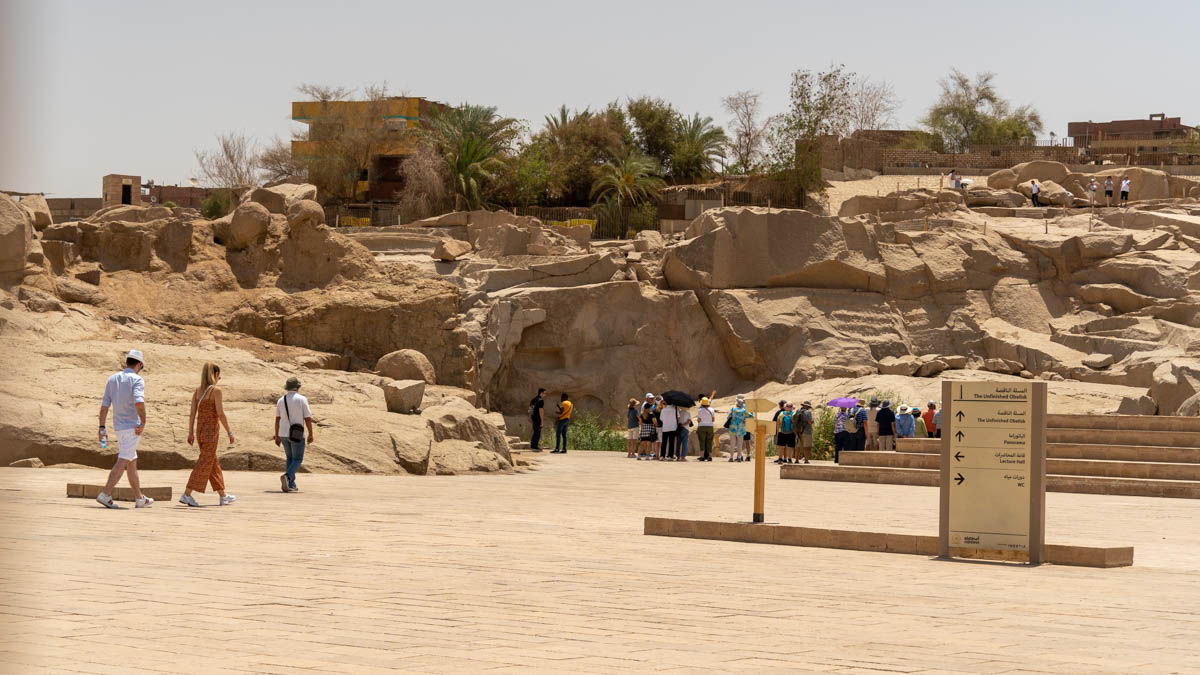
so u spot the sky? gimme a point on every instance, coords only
(92, 88)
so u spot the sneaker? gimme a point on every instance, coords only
(283, 483)
(228, 499)
(107, 500)
(292, 487)
(187, 500)
(143, 502)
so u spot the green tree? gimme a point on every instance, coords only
(630, 180)
(656, 128)
(474, 142)
(971, 112)
(575, 151)
(820, 104)
(701, 143)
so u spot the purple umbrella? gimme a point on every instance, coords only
(844, 402)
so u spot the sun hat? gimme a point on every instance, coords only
(703, 400)
(136, 354)
(293, 383)
(862, 401)
(806, 404)
(887, 404)
(932, 404)
(740, 399)
(790, 406)
(874, 401)
(903, 409)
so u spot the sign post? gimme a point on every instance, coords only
(993, 470)
(760, 427)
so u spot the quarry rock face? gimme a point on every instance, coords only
(433, 318)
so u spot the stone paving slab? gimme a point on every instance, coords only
(548, 571)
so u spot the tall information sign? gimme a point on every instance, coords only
(993, 478)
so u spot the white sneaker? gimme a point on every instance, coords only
(107, 500)
(187, 500)
(144, 502)
(228, 499)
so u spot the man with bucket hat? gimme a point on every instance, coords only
(289, 410)
(124, 392)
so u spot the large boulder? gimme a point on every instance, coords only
(314, 255)
(1051, 193)
(404, 396)
(279, 198)
(757, 247)
(406, 364)
(39, 210)
(1175, 383)
(1004, 179)
(1041, 169)
(1006, 198)
(449, 250)
(16, 233)
(249, 223)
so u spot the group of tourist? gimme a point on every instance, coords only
(957, 182)
(876, 426)
(124, 394)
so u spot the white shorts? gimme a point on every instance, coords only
(632, 434)
(127, 444)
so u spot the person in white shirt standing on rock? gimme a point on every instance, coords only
(124, 392)
(1034, 190)
(1125, 185)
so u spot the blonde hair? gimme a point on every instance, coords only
(208, 375)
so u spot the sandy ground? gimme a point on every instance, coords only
(549, 571)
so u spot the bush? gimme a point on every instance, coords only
(170, 205)
(823, 425)
(216, 204)
(588, 432)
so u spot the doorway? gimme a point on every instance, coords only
(126, 194)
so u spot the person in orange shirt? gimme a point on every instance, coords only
(560, 428)
(930, 425)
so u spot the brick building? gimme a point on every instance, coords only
(1157, 127)
(116, 189)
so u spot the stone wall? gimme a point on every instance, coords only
(984, 157)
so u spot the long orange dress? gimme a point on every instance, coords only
(208, 428)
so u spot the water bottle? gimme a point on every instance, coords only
(103, 439)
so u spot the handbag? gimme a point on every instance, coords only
(295, 431)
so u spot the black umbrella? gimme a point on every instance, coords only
(676, 397)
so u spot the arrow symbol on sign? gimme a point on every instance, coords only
(959, 415)
(959, 479)
(959, 435)
(958, 456)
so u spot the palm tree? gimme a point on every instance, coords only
(473, 140)
(562, 118)
(628, 180)
(700, 144)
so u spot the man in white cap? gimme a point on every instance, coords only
(125, 394)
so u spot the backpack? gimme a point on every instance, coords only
(852, 421)
(785, 422)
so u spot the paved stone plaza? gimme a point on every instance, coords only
(549, 571)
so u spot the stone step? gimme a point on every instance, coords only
(1060, 467)
(1139, 422)
(1165, 439)
(120, 494)
(1130, 487)
(1123, 453)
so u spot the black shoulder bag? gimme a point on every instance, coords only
(295, 431)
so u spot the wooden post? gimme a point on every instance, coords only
(760, 472)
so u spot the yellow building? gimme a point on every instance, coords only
(383, 124)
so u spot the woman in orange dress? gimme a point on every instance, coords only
(206, 417)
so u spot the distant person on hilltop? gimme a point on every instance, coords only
(124, 392)
(1108, 191)
(1126, 183)
(206, 417)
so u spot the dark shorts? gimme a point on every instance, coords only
(1108, 193)
(1124, 195)
(785, 440)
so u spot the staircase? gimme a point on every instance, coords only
(1131, 455)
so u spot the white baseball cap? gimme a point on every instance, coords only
(136, 354)
(648, 395)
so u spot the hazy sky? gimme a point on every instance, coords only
(91, 88)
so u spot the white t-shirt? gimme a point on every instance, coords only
(684, 418)
(1036, 188)
(705, 416)
(1125, 185)
(297, 406)
(668, 419)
